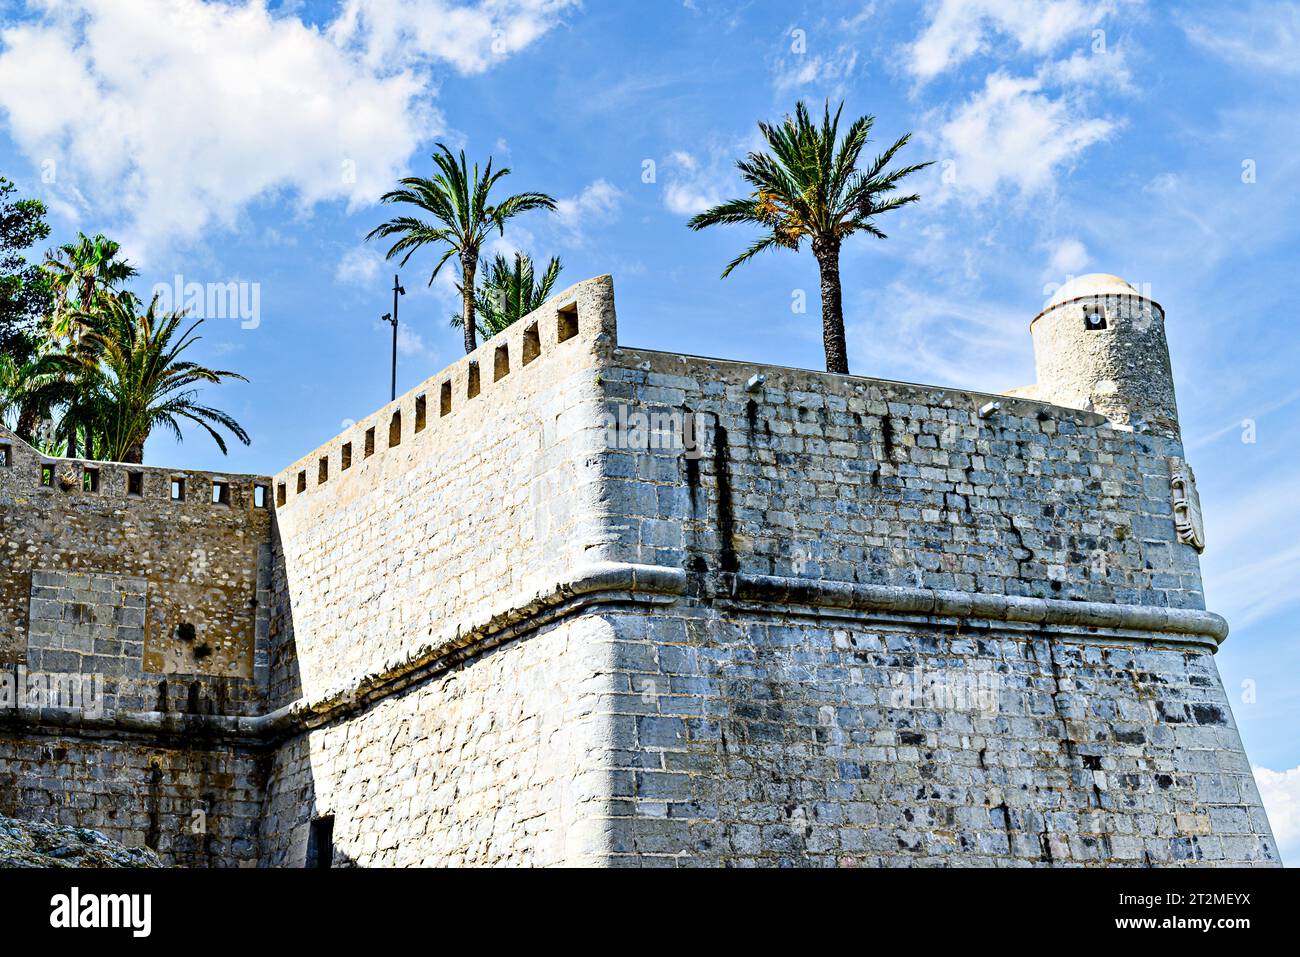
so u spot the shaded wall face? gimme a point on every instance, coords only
(501, 761)
(767, 739)
(111, 583)
(199, 805)
(115, 597)
(465, 495)
(817, 476)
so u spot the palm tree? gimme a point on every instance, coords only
(806, 188)
(83, 275)
(508, 293)
(85, 279)
(141, 383)
(460, 219)
(30, 386)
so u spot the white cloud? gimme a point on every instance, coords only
(1068, 258)
(359, 265)
(410, 342)
(231, 103)
(1093, 69)
(960, 29)
(471, 37)
(690, 186)
(599, 202)
(1280, 791)
(1012, 133)
(1264, 36)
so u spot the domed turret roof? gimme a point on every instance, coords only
(1093, 284)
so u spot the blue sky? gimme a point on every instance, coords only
(248, 143)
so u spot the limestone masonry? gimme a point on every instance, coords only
(570, 602)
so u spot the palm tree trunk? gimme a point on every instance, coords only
(828, 260)
(134, 454)
(468, 266)
(28, 419)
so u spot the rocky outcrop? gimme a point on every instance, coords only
(33, 844)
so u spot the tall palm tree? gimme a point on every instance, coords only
(509, 292)
(84, 275)
(85, 278)
(806, 188)
(141, 382)
(460, 218)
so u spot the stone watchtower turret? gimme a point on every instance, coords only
(1100, 345)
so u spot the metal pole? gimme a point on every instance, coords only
(397, 291)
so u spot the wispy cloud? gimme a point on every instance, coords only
(811, 66)
(1280, 791)
(922, 336)
(1259, 36)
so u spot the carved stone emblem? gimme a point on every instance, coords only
(1187, 505)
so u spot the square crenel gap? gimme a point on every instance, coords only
(567, 323)
(532, 344)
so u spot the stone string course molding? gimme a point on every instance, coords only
(1151, 623)
(485, 627)
(613, 582)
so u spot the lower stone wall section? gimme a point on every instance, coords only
(498, 761)
(196, 806)
(709, 733)
(746, 740)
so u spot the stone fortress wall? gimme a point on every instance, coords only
(142, 592)
(802, 618)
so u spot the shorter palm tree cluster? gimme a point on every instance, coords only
(105, 369)
(509, 290)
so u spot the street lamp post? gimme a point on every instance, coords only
(391, 318)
